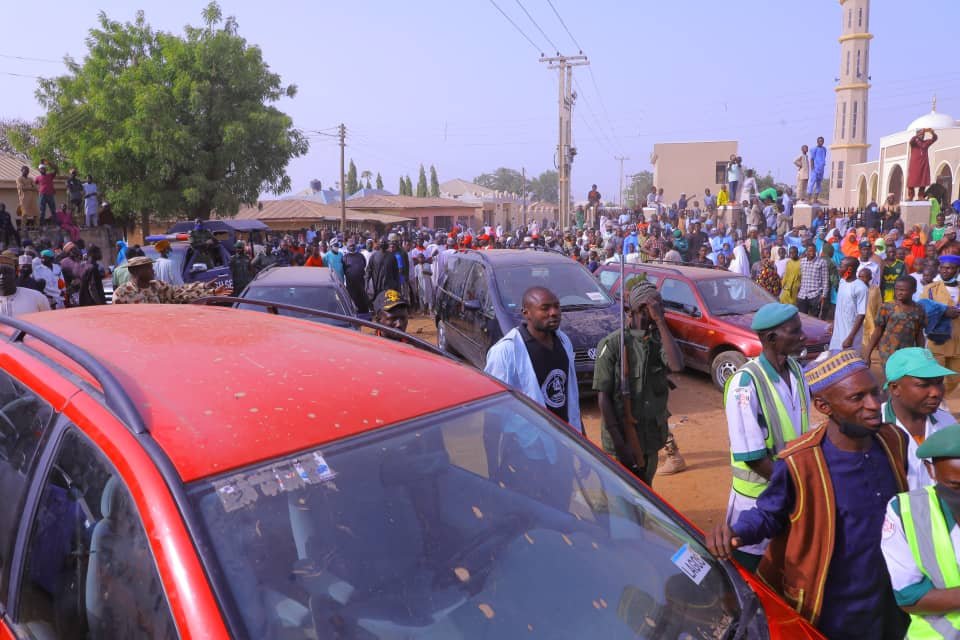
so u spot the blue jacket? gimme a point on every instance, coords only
(938, 325)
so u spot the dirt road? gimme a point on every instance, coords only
(700, 429)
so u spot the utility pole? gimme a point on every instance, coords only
(565, 149)
(621, 159)
(343, 182)
(523, 191)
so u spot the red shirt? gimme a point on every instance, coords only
(314, 261)
(44, 183)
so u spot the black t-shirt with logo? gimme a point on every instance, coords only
(552, 368)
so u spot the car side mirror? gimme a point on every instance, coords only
(198, 267)
(472, 305)
(692, 311)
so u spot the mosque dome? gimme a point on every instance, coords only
(933, 120)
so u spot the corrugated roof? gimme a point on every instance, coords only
(310, 211)
(10, 167)
(399, 203)
(459, 187)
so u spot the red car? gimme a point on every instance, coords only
(202, 472)
(709, 313)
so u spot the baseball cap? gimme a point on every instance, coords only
(916, 362)
(387, 300)
(47, 253)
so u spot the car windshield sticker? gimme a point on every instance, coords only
(691, 563)
(594, 295)
(243, 489)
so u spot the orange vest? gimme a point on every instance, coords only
(797, 561)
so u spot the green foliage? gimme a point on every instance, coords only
(174, 125)
(503, 179)
(637, 190)
(17, 138)
(546, 187)
(402, 189)
(352, 185)
(379, 181)
(434, 183)
(408, 187)
(422, 189)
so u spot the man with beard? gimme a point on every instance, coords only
(383, 271)
(920, 540)
(536, 359)
(823, 509)
(354, 267)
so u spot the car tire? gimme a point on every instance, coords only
(725, 365)
(442, 342)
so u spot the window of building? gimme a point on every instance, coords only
(858, 63)
(860, 17)
(89, 565)
(843, 120)
(721, 172)
(847, 72)
(839, 177)
(849, 18)
(853, 121)
(443, 222)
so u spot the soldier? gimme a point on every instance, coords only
(767, 403)
(651, 354)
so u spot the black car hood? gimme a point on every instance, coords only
(587, 327)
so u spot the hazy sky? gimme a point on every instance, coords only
(452, 83)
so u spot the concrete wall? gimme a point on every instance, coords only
(688, 167)
(8, 195)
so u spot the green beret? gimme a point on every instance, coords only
(945, 443)
(772, 314)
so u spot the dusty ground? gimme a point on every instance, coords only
(700, 429)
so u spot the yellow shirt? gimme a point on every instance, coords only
(723, 198)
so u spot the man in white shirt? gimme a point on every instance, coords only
(16, 301)
(915, 380)
(802, 163)
(45, 269)
(851, 309)
(163, 267)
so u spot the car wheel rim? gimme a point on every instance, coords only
(724, 371)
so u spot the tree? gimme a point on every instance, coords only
(17, 138)
(409, 187)
(365, 175)
(367, 186)
(422, 189)
(171, 125)
(434, 183)
(379, 181)
(352, 185)
(316, 185)
(503, 179)
(545, 187)
(402, 190)
(639, 187)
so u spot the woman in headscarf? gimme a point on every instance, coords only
(791, 278)
(121, 252)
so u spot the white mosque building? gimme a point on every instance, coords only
(855, 182)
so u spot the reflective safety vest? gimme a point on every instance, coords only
(780, 428)
(932, 549)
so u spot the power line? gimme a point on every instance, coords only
(546, 37)
(29, 59)
(564, 24)
(20, 75)
(515, 26)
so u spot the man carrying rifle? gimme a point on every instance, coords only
(630, 375)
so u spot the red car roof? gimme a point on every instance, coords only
(222, 388)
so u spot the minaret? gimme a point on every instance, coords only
(849, 143)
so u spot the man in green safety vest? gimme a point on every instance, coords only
(767, 402)
(921, 543)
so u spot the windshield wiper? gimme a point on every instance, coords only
(578, 307)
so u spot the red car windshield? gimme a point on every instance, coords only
(487, 521)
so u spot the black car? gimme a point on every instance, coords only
(310, 287)
(479, 297)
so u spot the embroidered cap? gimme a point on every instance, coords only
(833, 369)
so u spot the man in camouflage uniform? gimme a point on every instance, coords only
(144, 288)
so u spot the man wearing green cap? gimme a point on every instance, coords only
(767, 403)
(652, 353)
(920, 541)
(916, 384)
